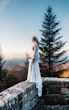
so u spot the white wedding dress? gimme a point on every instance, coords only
(34, 71)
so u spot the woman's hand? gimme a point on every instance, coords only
(33, 60)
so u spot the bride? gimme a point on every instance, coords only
(33, 70)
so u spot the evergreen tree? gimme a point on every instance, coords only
(52, 54)
(1, 64)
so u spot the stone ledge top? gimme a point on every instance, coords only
(13, 92)
(54, 79)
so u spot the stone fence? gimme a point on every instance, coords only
(23, 96)
(56, 93)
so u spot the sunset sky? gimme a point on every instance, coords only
(22, 19)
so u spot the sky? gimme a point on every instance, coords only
(22, 19)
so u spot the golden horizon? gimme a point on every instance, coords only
(16, 55)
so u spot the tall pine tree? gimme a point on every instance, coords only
(52, 54)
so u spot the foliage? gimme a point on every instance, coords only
(12, 79)
(26, 64)
(52, 54)
(2, 70)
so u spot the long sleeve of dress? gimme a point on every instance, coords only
(34, 50)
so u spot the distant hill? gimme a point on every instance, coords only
(16, 70)
(14, 62)
(66, 73)
(16, 66)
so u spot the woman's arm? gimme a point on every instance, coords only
(34, 51)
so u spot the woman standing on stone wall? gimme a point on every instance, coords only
(33, 70)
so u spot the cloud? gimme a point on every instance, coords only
(3, 3)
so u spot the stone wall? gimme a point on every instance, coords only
(56, 93)
(23, 96)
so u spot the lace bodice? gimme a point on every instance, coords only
(35, 51)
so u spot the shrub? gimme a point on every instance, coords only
(12, 79)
